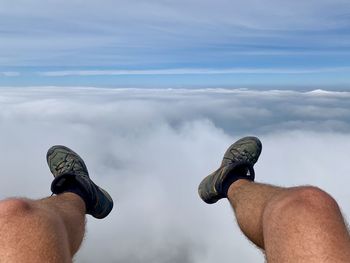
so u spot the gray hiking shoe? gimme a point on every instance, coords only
(237, 163)
(71, 175)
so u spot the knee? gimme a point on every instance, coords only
(14, 207)
(300, 202)
(19, 211)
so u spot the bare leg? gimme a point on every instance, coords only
(48, 230)
(300, 224)
(249, 201)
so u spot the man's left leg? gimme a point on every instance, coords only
(299, 224)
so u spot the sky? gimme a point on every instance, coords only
(176, 44)
(150, 148)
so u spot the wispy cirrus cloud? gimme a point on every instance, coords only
(186, 33)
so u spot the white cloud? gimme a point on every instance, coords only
(151, 148)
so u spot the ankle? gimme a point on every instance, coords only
(236, 185)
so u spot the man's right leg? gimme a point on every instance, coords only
(51, 229)
(300, 224)
(47, 230)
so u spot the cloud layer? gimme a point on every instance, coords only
(151, 148)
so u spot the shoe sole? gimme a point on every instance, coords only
(102, 193)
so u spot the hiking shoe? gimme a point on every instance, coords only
(71, 175)
(237, 163)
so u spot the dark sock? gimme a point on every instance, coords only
(68, 184)
(239, 172)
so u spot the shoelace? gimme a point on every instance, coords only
(65, 166)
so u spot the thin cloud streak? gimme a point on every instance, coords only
(10, 74)
(190, 71)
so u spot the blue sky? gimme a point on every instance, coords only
(175, 43)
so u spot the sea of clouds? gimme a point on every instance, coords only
(151, 148)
